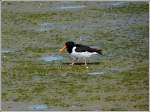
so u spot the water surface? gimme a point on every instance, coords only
(50, 58)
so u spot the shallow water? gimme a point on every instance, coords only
(118, 4)
(48, 26)
(121, 69)
(72, 7)
(85, 37)
(50, 58)
(6, 50)
(37, 78)
(39, 106)
(96, 73)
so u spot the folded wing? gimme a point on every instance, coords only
(83, 48)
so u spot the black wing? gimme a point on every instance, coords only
(83, 48)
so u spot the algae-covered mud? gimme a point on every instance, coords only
(35, 76)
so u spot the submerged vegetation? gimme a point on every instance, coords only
(121, 79)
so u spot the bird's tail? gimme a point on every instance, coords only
(99, 51)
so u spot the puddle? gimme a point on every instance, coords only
(27, 106)
(96, 73)
(72, 7)
(118, 4)
(84, 38)
(39, 106)
(37, 78)
(6, 50)
(119, 69)
(112, 70)
(46, 26)
(50, 58)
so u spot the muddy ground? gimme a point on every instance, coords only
(36, 77)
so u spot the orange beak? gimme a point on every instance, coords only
(62, 49)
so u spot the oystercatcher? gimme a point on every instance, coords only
(79, 51)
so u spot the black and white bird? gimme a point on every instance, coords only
(78, 51)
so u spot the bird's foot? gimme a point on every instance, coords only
(86, 65)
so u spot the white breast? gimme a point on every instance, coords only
(82, 54)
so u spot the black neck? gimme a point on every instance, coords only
(69, 49)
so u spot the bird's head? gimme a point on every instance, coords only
(67, 45)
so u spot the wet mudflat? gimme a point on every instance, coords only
(36, 77)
